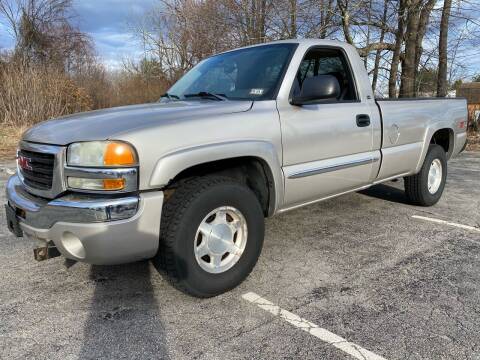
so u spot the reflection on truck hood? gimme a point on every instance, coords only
(105, 124)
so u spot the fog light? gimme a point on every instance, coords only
(96, 184)
(73, 245)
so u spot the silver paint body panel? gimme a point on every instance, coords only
(314, 152)
(104, 230)
(107, 243)
(417, 121)
(172, 137)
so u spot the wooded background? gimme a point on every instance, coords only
(410, 48)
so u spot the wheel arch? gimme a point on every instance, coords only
(255, 162)
(445, 138)
(443, 135)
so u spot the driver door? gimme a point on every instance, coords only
(328, 147)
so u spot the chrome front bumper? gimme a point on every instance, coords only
(92, 229)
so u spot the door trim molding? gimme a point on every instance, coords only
(326, 169)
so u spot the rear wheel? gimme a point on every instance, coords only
(211, 235)
(426, 187)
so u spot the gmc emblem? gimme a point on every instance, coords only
(24, 163)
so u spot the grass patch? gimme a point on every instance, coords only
(473, 141)
(9, 138)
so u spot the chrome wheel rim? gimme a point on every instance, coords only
(435, 176)
(220, 239)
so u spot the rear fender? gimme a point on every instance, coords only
(428, 137)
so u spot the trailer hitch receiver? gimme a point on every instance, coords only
(43, 253)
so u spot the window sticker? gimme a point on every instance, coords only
(257, 92)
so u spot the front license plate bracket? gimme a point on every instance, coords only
(12, 221)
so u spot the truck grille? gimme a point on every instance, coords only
(36, 169)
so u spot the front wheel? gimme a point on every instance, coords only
(426, 187)
(211, 235)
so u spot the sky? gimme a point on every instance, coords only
(108, 23)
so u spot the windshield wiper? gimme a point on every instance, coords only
(205, 94)
(170, 96)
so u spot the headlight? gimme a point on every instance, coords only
(101, 154)
(101, 166)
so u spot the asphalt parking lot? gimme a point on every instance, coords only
(353, 277)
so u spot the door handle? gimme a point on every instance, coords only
(363, 120)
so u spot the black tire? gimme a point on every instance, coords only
(190, 203)
(416, 186)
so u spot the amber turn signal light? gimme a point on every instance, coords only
(119, 154)
(113, 184)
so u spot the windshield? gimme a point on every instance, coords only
(245, 74)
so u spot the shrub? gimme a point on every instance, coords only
(29, 94)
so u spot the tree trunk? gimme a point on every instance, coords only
(399, 35)
(293, 19)
(252, 20)
(442, 50)
(379, 52)
(326, 15)
(422, 29)
(261, 21)
(345, 14)
(407, 86)
(369, 19)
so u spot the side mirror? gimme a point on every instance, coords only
(317, 88)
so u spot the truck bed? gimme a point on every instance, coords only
(408, 123)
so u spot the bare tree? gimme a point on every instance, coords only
(44, 33)
(180, 33)
(442, 49)
(345, 16)
(326, 22)
(407, 87)
(397, 38)
(379, 52)
(422, 29)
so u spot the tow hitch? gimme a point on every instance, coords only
(43, 253)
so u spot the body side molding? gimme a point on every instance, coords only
(325, 169)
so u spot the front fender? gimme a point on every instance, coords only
(172, 164)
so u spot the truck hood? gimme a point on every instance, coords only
(106, 124)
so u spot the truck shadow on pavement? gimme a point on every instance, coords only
(124, 320)
(386, 192)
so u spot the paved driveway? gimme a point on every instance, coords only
(352, 277)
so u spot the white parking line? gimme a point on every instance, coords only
(438, 221)
(340, 343)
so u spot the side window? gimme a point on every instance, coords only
(326, 62)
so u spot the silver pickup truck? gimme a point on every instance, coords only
(244, 135)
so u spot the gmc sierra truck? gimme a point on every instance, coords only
(244, 135)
